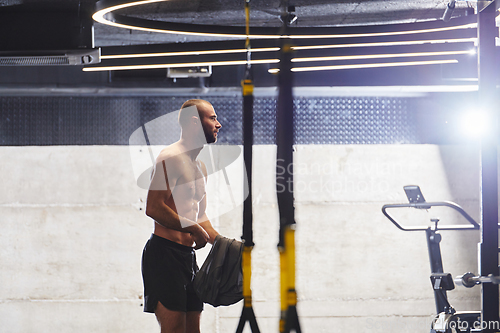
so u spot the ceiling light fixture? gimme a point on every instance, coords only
(383, 56)
(295, 48)
(390, 33)
(99, 15)
(186, 53)
(105, 14)
(104, 9)
(179, 65)
(271, 61)
(359, 66)
(400, 43)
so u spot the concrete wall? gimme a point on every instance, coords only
(73, 229)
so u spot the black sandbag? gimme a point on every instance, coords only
(220, 278)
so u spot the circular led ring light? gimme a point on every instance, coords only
(105, 14)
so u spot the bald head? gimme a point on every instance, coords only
(187, 111)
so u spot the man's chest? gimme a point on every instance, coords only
(192, 183)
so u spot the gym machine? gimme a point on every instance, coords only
(447, 320)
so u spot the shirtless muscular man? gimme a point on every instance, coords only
(176, 202)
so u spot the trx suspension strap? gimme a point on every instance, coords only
(247, 85)
(284, 186)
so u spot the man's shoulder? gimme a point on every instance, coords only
(169, 154)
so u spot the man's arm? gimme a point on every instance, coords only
(159, 193)
(203, 220)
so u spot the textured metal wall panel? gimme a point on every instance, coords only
(354, 120)
(108, 120)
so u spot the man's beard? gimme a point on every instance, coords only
(210, 136)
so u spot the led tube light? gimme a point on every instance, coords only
(99, 16)
(359, 66)
(186, 53)
(400, 43)
(193, 64)
(382, 56)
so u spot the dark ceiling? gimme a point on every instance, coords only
(264, 13)
(41, 29)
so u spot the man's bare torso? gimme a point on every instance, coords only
(186, 182)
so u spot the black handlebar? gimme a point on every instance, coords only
(426, 205)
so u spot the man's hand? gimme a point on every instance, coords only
(200, 236)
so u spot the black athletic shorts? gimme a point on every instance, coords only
(168, 270)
